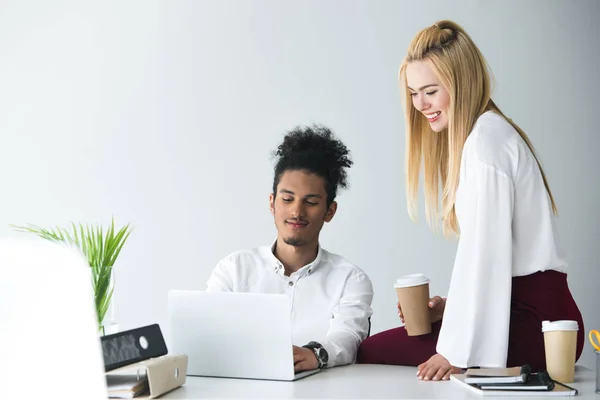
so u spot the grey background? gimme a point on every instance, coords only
(164, 115)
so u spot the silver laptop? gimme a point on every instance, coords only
(233, 335)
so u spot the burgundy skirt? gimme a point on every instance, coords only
(535, 298)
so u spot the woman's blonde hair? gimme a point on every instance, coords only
(464, 72)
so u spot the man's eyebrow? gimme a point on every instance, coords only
(311, 195)
(423, 87)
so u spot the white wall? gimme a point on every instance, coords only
(164, 115)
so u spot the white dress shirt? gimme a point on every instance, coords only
(507, 230)
(330, 297)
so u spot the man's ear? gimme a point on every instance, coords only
(272, 203)
(331, 211)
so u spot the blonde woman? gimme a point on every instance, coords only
(510, 272)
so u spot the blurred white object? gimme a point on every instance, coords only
(49, 342)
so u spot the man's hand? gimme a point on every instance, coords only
(436, 368)
(304, 359)
(436, 309)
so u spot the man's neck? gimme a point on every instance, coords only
(295, 257)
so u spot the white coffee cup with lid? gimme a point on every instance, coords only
(413, 296)
(560, 346)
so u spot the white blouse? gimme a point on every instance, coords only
(507, 229)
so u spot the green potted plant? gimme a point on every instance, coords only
(100, 247)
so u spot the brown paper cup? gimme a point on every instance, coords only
(413, 295)
(560, 345)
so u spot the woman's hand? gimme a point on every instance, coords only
(436, 309)
(437, 368)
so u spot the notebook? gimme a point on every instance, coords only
(234, 335)
(537, 381)
(559, 389)
(497, 375)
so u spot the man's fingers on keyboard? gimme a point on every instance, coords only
(301, 366)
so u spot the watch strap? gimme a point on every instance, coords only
(320, 353)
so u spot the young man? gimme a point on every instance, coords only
(330, 297)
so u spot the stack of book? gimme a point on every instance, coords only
(126, 386)
(515, 381)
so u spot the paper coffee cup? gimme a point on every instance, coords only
(560, 344)
(413, 295)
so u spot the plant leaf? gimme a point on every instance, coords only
(100, 249)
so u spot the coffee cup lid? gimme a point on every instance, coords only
(411, 280)
(563, 325)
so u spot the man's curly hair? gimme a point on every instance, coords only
(316, 150)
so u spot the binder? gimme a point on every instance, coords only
(164, 374)
(132, 346)
(139, 365)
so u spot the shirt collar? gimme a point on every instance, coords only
(278, 265)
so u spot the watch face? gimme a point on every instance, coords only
(323, 354)
(320, 352)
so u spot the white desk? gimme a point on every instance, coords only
(351, 382)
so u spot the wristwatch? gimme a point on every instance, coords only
(320, 353)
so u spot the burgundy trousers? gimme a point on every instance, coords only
(535, 298)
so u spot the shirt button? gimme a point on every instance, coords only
(291, 283)
(309, 271)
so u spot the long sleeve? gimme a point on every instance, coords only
(350, 323)
(220, 279)
(476, 320)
